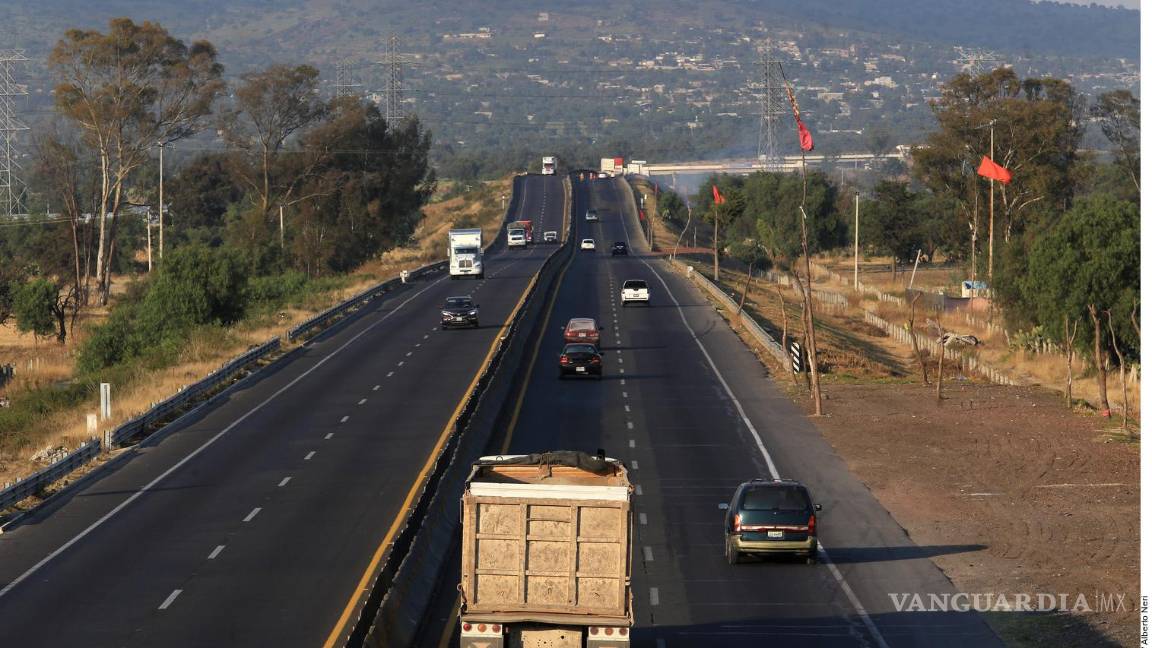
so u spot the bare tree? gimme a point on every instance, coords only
(1119, 115)
(1123, 373)
(915, 343)
(129, 90)
(1101, 371)
(1069, 350)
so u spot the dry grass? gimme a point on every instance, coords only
(208, 349)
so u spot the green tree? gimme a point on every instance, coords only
(40, 308)
(890, 223)
(1119, 114)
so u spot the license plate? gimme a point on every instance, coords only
(459, 319)
(580, 369)
(774, 534)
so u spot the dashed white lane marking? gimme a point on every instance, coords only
(630, 425)
(215, 552)
(620, 360)
(408, 355)
(643, 518)
(622, 382)
(647, 554)
(426, 335)
(625, 394)
(417, 344)
(284, 482)
(635, 465)
(254, 513)
(171, 597)
(377, 387)
(627, 408)
(390, 374)
(639, 489)
(618, 352)
(433, 328)
(631, 443)
(621, 370)
(328, 436)
(400, 364)
(654, 596)
(344, 419)
(362, 401)
(308, 457)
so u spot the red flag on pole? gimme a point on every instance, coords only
(716, 197)
(806, 143)
(990, 169)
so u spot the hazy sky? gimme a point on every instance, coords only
(1129, 4)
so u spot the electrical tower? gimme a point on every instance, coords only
(394, 63)
(346, 86)
(773, 106)
(977, 61)
(12, 187)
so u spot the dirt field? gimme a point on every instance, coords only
(1053, 499)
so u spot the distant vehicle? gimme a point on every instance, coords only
(548, 165)
(619, 248)
(546, 552)
(550, 237)
(465, 253)
(460, 311)
(588, 244)
(525, 225)
(634, 291)
(582, 329)
(516, 238)
(591, 216)
(580, 360)
(601, 175)
(770, 517)
(611, 167)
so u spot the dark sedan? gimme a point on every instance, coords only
(459, 311)
(619, 248)
(580, 360)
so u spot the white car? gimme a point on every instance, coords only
(591, 216)
(634, 291)
(588, 244)
(550, 237)
(601, 175)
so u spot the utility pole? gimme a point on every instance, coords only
(856, 246)
(991, 196)
(13, 191)
(281, 227)
(161, 144)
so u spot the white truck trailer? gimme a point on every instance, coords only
(466, 253)
(548, 165)
(547, 552)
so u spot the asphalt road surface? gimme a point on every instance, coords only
(253, 523)
(690, 410)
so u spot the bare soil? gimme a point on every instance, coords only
(1049, 495)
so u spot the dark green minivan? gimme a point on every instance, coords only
(770, 517)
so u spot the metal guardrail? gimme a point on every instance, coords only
(37, 481)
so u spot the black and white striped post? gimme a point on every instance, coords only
(797, 353)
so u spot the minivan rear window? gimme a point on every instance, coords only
(635, 283)
(582, 325)
(775, 498)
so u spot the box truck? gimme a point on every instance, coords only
(466, 253)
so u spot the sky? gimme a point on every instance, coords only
(1127, 4)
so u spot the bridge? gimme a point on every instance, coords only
(744, 166)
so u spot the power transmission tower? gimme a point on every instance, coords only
(394, 61)
(773, 105)
(12, 187)
(346, 86)
(977, 61)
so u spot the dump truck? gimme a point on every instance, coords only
(466, 253)
(525, 225)
(546, 552)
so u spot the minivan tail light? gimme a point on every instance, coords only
(736, 523)
(812, 524)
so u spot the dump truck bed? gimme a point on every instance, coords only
(547, 543)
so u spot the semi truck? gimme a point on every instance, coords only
(466, 253)
(546, 552)
(548, 165)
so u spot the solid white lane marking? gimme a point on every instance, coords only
(377, 387)
(308, 457)
(328, 436)
(631, 443)
(647, 554)
(284, 482)
(643, 518)
(635, 465)
(254, 513)
(171, 597)
(847, 589)
(344, 419)
(639, 489)
(362, 401)
(654, 596)
(215, 552)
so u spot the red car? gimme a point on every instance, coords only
(582, 329)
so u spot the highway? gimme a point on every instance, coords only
(692, 413)
(258, 521)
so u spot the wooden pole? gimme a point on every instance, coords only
(991, 198)
(856, 247)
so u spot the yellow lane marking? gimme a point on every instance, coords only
(366, 579)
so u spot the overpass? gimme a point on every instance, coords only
(744, 166)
